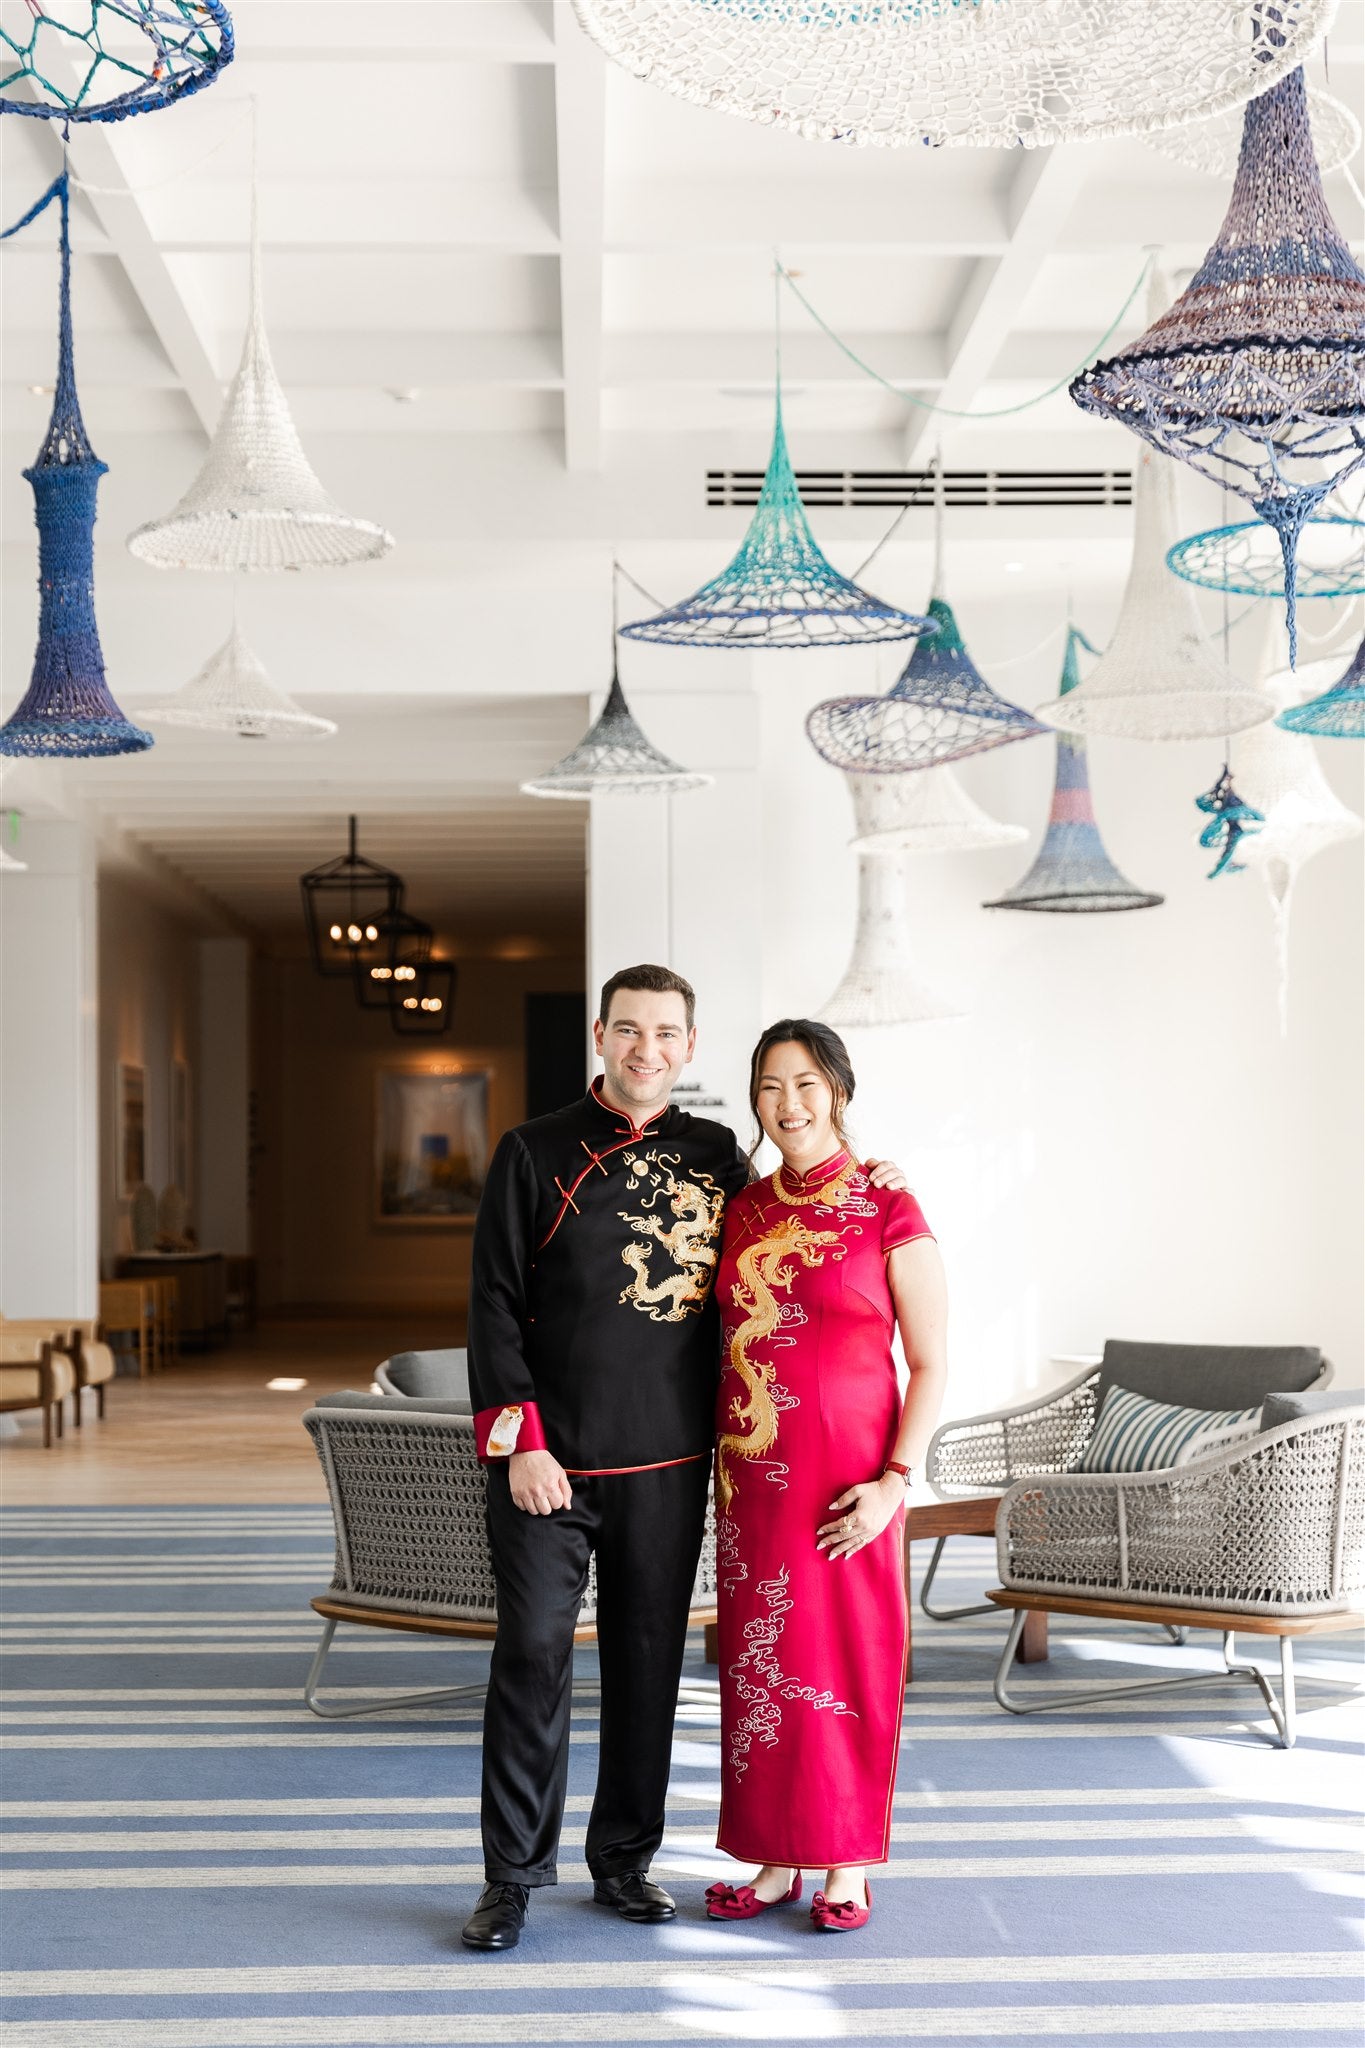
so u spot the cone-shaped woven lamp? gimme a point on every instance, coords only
(926, 813)
(121, 56)
(880, 985)
(1256, 375)
(256, 504)
(614, 759)
(1072, 871)
(779, 591)
(1246, 561)
(980, 73)
(939, 709)
(233, 693)
(67, 710)
(1339, 713)
(1279, 774)
(1158, 678)
(1214, 146)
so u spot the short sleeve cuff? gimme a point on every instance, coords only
(500, 1431)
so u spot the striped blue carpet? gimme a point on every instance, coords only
(195, 1862)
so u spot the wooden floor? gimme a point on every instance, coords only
(211, 1429)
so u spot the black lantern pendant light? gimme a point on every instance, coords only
(403, 946)
(426, 1005)
(344, 901)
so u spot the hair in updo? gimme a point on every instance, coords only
(828, 1055)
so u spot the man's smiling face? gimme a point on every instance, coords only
(645, 1044)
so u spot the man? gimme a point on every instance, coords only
(593, 1360)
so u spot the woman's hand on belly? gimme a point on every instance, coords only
(862, 1512)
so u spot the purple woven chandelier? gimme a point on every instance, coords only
(1256, 375)
(67, 710)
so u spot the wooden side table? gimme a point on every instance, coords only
(975, 1517)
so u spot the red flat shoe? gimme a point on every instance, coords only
(840, 1919)
(741, 1901)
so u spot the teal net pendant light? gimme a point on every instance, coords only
(67, 711)
(1245, 560)
(778, 591)
(102, 60)
(1072, 871)
(939, 709)
(1339, 713)
(1256, 375)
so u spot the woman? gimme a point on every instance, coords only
(813, 1462)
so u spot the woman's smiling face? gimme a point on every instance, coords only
(796, 1105)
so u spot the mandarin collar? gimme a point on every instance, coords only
(802, 1183)
(621, 1122)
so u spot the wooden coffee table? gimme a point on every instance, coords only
(974, 1517)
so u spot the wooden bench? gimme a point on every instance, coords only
(1172, 1615)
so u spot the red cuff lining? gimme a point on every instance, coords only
(529, 1437)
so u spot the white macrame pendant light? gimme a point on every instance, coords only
(232, 693)
(256, 503)
(976, 73)
(880, 985)
(1159, 678)
(1279, 774)
(1214, 146)
(929, 812)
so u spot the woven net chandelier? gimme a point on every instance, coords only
(981, 73)
(233, 693)
(1158, 678)
(67, 709)
(615, 759)
(778, 591)
(1256, 375)
(880, 985)
(1246, 560)
(1072, 871)
(1213, 145)
(102, 60)
(1339, 713)
(926, 813)
(256, 503)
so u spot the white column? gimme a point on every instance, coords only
(224, 1091)
(49, 1095)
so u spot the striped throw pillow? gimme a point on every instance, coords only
(1134, 1434)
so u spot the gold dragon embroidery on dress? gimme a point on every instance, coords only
(762, 1276)
(690, 1241)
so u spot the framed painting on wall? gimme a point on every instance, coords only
(431, 1145)
(181, 1159)
(131, 1155)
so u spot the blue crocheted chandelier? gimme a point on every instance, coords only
(1256, 375)
(1245, 560)
(1072, 871)
(779, 591)
(67, 709)
(131, 57)
(1339, 713)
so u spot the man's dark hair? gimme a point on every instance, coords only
(659, 981)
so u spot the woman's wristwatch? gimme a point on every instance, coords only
(906, 1472)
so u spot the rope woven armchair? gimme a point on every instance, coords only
(407, 1495)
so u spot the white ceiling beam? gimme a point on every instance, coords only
(580, 150)
(1040, 198)
(414, 31)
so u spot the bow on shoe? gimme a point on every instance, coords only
(729, 1895)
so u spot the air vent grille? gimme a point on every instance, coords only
(980, 489)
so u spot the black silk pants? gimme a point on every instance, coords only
(646, 1530)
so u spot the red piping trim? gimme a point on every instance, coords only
(613, 1471)
(595, 1159)
(636, 1130)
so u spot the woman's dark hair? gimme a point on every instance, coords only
(828, 1055)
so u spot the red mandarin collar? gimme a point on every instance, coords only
(624, 1123)
(802, 1183)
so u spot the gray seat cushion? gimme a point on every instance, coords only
(1208, 1375)
(417, 1375)
(385, 1404)
(1293, 1407)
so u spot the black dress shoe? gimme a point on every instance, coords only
(497, 1920)
(634, 1896)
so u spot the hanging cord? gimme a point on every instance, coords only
(953, 412)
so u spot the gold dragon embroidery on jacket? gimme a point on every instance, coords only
(762, 1277)
(689, 1242)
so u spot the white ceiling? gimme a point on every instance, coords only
(520, 303)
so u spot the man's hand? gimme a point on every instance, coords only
(539, 1483)
(884, 1173)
